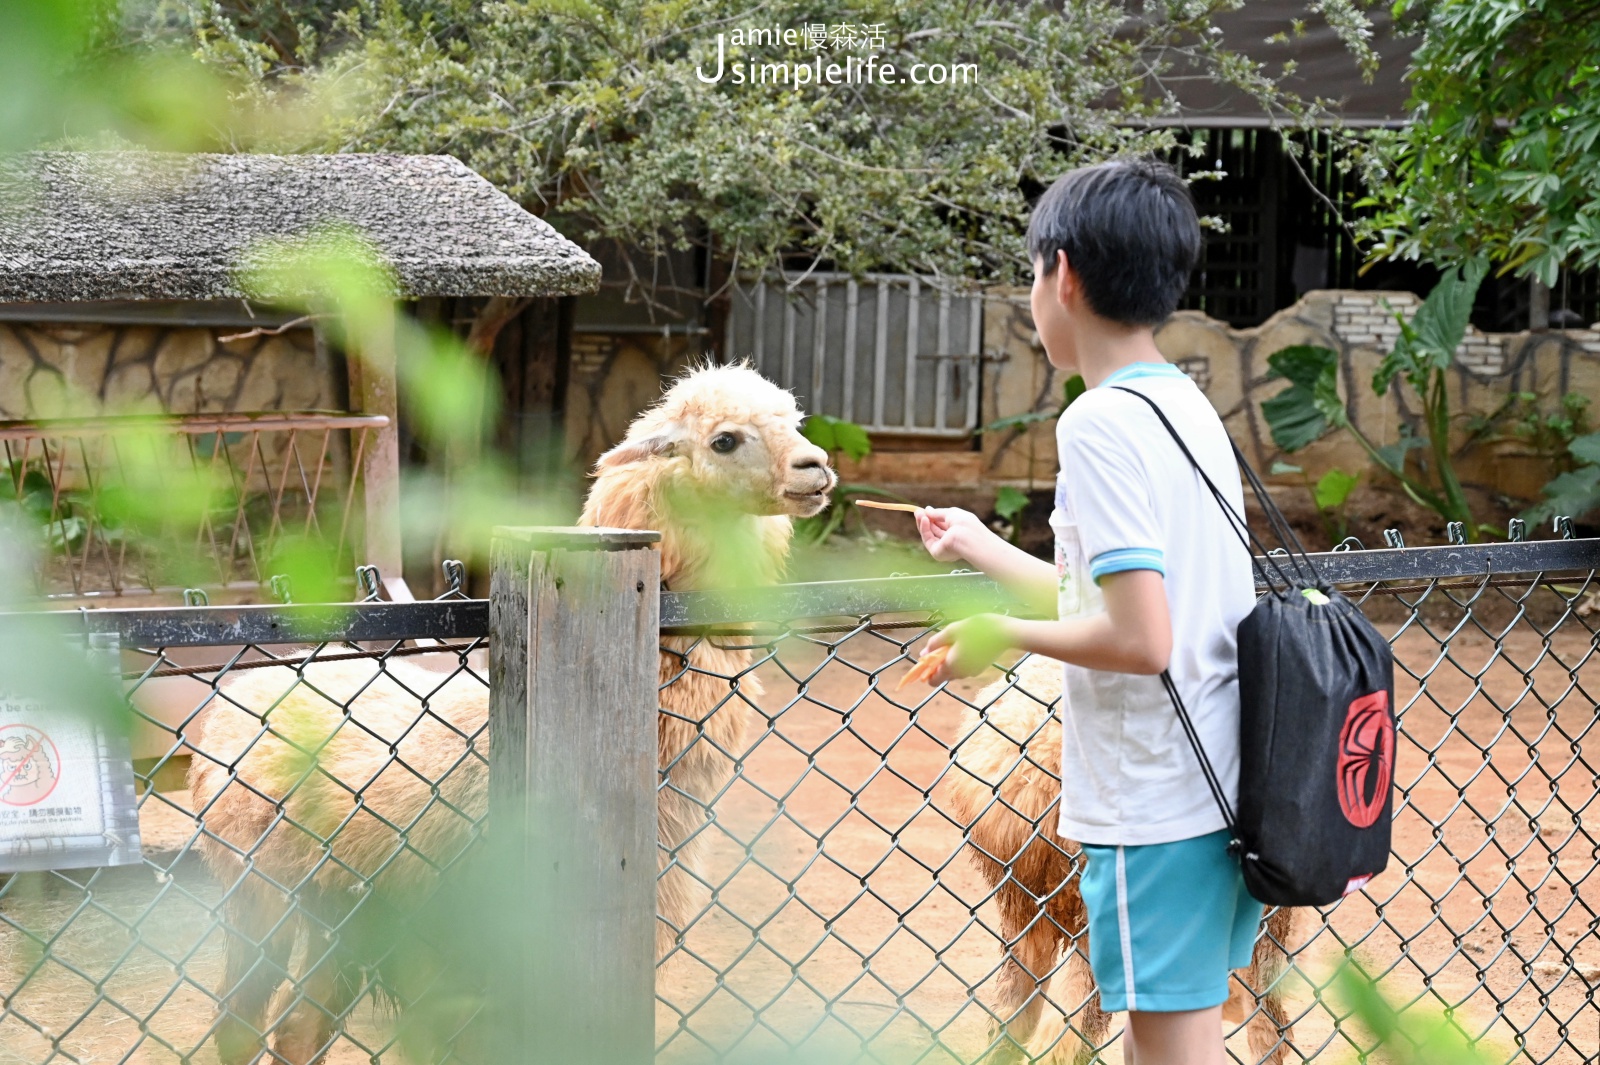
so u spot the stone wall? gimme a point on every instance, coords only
(50, 370)
(1230, 365)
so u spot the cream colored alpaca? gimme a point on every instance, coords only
(1005, 789)
(302, 798)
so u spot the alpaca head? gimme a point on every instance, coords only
(719, 462)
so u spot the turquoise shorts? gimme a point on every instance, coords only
(1167, 923)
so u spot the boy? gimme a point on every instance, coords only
(1148, 577)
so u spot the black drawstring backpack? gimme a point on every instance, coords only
(1316, 724)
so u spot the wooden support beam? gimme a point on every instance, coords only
(374, 390)
(574, 622)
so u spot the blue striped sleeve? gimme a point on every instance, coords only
(1126, 558)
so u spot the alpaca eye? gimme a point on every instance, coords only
(723, 443)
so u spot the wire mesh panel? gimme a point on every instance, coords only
(299, 803)
(251, 480)
(881, 875)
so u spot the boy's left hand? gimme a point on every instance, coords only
(974, 645)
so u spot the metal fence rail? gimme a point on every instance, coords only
(822, 883)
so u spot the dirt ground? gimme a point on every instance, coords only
(846, 917)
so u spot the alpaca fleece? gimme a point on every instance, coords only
(1005, 789)
(315, 782)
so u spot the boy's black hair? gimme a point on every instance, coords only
(1130, 232)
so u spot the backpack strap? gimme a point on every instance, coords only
(1206, 769)
(1306, 572)
(1247, 538)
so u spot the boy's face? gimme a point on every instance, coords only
(1051, 318)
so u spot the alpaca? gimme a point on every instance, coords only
(312, 781)
(1006, 790)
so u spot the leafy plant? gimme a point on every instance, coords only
(1501, 155)
(1421, 359)
(1413, 1033)
(608, 114)
(1547, 434)
(835, 435)
(1575, 493)
(1330, 494)
(64, 521)
(1009, 503)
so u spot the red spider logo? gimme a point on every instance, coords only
(1366, 759)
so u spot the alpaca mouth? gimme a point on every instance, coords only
(812, 503)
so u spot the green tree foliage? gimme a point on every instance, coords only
(1502, 159)
(594, 112)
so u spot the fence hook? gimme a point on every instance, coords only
(1456, 532)
(1350, 543)
(455, 575)
(1563, 526)
(368, 582)
(1393, 538)
(196, 597)
(280, 589)
(1516, 530)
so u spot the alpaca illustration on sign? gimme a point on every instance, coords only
(28, 762)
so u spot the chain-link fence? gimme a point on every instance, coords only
(844, 865)
(293, 767)
(877, 872)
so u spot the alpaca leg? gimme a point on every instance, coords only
(679, 896)
(325, 994)
(1091, 1022)
(1081, 1032)
(1268, 1028)
(1032, 942)
(255, 959)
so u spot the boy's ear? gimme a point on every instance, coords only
(1066, 280)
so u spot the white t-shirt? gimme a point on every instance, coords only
(1126, 498)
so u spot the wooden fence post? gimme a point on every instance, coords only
(574, 636)
(374, 390)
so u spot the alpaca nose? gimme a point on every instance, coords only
(808, 459)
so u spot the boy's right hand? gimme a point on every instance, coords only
(951, 534)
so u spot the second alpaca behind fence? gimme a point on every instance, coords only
(1006, 789)
(317, 783)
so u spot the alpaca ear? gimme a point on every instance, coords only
(631, 451)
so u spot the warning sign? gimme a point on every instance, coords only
(66, 784)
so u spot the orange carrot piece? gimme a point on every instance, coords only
(925, 666)
(909, 508)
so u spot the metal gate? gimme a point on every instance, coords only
(895, 353)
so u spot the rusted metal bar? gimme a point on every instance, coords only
(189, 424)
(219, 626)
